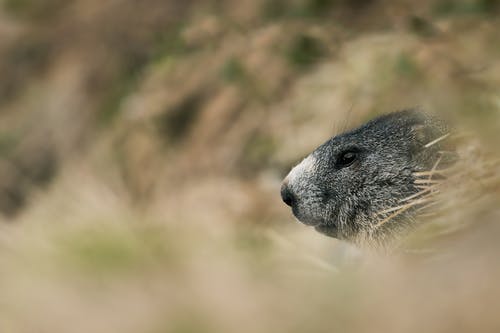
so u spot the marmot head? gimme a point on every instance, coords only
(352, 182)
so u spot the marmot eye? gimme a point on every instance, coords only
(347, 158)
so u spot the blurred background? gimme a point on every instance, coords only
(142, 146)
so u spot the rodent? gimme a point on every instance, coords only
(352, 186)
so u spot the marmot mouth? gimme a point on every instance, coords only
(330, 230)
(309, 221)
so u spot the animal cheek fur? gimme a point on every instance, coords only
(328, 196)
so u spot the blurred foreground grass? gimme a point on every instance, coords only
(142, 145)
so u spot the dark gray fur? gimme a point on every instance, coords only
(346, 202)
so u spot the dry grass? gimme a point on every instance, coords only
(164, 147)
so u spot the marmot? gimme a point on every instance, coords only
(357, 185)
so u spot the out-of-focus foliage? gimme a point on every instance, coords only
(142, 145)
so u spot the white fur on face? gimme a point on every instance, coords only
(304, 168)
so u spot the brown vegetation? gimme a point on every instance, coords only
(142, 144)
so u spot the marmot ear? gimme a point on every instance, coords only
(431, 144)
(420, 134)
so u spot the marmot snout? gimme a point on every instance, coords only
(345, 186)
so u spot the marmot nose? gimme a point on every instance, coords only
(287, 195)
